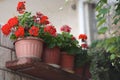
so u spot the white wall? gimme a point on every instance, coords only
(48, 7)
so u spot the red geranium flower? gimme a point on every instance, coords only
(83, 36)
(20, 32)
(50, 29)
(84, 45)
(13, 21)
(34, 31)
(44, 20)
(6, 29)
(66, 28)
(21, 7)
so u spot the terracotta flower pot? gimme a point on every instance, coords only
(80, 71)
(29, 47)
(83, 72)
(67, 61)
(51, 56)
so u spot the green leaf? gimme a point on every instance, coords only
(104, 11)
(102, 30)
(13, 37)
(99, 18)
(111, 49)
(101, 22)
(112, 56)
(116, 21)
(105, 1)
(98, 15)
(99, 6)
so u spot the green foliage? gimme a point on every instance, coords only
(26, 19)
(82, 58)
(105, 58)
(67, 43)
(106, 53)
(102, 30)
(103, 10)
(101, 16)
(51, 41)
(12, 37)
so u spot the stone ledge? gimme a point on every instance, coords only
(40, 70)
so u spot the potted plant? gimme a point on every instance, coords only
(68, 48)
(27, 30)
(51, 53)
(82, 59)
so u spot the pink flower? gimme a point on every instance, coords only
(66, 28)
(41, 19)
(84, 45)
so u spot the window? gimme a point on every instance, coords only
(87, 22)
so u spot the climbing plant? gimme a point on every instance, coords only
(106, 52)
(107, 16)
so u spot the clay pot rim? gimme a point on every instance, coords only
(28, 38)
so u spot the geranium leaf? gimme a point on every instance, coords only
(12, 36)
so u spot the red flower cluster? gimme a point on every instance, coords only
(66, 28)
(83, 36)
(13, 21)
(40, 18)
(6, 29)
(34, 31)
(51, 30)
(21, 7)
(19, 32)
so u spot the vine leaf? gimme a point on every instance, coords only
(101, 22)
(105, 1)
(102, 30)
(104, 11)
(116, 21)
